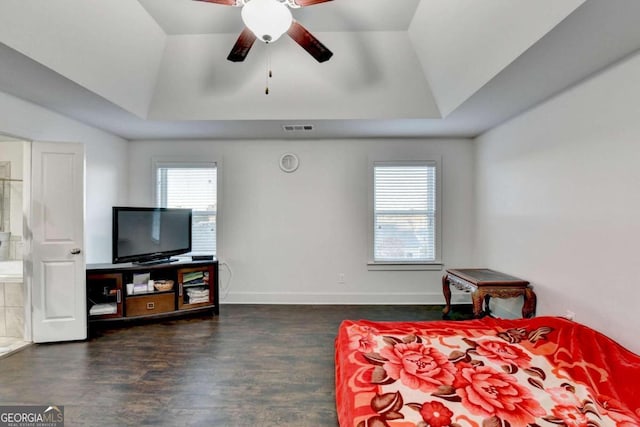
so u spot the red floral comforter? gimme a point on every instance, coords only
(544, 371)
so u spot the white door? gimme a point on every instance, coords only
(57, 227)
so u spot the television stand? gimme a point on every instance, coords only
(195, 290)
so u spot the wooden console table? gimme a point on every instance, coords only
(484, 284)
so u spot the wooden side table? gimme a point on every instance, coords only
(483, 284)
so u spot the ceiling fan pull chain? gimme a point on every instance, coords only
(269, 73)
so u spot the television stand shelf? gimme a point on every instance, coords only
(195, 290)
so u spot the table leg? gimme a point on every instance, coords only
(529, 304)
(486, 304)
(477, 297)
(446, 290)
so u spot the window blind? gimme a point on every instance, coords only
(195, 188)
(405, 212)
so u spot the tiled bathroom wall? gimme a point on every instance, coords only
(11, 310)
(15, 248)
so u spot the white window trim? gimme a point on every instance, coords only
(437, 264)
(161, 162)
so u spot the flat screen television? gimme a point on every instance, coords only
(146, 235)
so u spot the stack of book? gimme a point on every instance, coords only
(99, 309)
(198, 295)
(195, 283)
(194, 277)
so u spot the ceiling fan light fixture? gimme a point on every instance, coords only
(267, 19)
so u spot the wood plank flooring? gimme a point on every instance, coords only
(254, 365)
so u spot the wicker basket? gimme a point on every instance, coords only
(163, 285)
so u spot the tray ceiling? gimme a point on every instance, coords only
(156, 69)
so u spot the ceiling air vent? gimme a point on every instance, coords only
(297, 128)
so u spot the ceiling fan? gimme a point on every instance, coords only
(268, 20)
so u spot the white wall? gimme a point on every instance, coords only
(559, 201)
(106, 164)
(286, 237)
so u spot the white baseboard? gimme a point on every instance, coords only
(342, 299)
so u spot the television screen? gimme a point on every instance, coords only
(149, 234)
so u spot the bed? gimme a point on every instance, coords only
(538, 372)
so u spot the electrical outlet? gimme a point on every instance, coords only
(570, 315)
(341, 278)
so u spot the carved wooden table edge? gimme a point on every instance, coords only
(484, 283)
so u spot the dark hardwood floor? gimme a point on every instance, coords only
(254, 365)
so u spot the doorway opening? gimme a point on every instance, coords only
(15, 323)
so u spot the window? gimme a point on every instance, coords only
(192, 186)
(405, 214)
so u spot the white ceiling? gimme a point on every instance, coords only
(156, 69)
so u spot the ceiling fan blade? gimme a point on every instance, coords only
(303, 3)
(308, 42)
(225, 2)
(243, 45)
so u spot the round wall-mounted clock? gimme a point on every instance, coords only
(289, 162)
